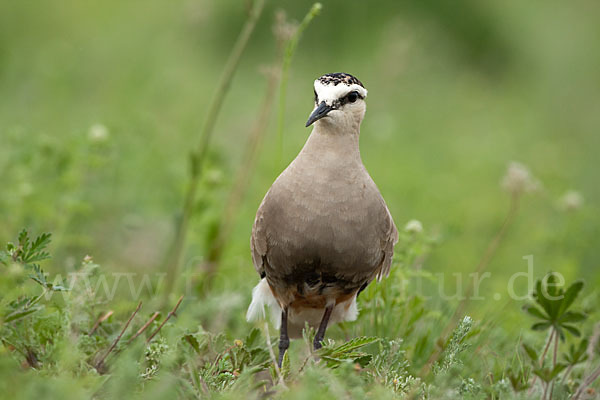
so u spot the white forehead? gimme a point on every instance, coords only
(334, 92)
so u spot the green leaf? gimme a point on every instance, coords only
(558, 368)
(578, 354)
(571, 316)
(23, 239)
(41, 242)
(547, 374)
(541, 326)
(582, 348)
(540, 298)
(333, 362)
(354, 344)
(556, 302)
(570, 295)
(574, 331)
(21, 313)
(534, 311)
(285, 365)
(39, 275)
(518, 380)
(35, 251)
(550, 296)
(192, 341)
(542, 373)
(364, 361)
(530, 352)
(252, 340)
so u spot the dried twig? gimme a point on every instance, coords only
(99, 321)
(144, 327)
(305, 362)
(112, 347)
(171, 313)
(31, 358)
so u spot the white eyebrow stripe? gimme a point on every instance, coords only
(332, 92)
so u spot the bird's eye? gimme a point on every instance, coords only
(352, 97)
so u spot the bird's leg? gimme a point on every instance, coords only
(322, 327)
(284, 340)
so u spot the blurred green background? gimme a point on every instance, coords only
(103, 101)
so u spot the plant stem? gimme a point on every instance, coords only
(114, 344)
(546, 346)
(144, 327)
(543, 356)
(555, 352)
(171, 313)
(587, 382)
(36, 300)
(272, 355)
(567, 372)
(285, 69)
(99, 321)
(198, 156)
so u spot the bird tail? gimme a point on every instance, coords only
(263, 296)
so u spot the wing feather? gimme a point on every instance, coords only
(258, 241)
(389, 240)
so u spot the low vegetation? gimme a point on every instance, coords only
(50, 328)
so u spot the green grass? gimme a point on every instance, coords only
(103, 103)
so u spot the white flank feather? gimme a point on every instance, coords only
(261, 297)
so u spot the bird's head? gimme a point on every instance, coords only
(339, 100)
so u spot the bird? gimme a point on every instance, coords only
(323, 231)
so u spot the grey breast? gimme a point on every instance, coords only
(323, 226)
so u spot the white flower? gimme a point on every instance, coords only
(98, 133)
(414, 226)
(283, 29)
(518, 179)
(571, 200)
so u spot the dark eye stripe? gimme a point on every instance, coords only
(345, 100)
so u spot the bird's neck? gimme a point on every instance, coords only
(326, 141)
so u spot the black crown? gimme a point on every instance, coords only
(340, 77)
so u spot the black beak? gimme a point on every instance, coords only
(321, 111)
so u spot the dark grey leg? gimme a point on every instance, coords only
(284, 340)
(322, 327)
